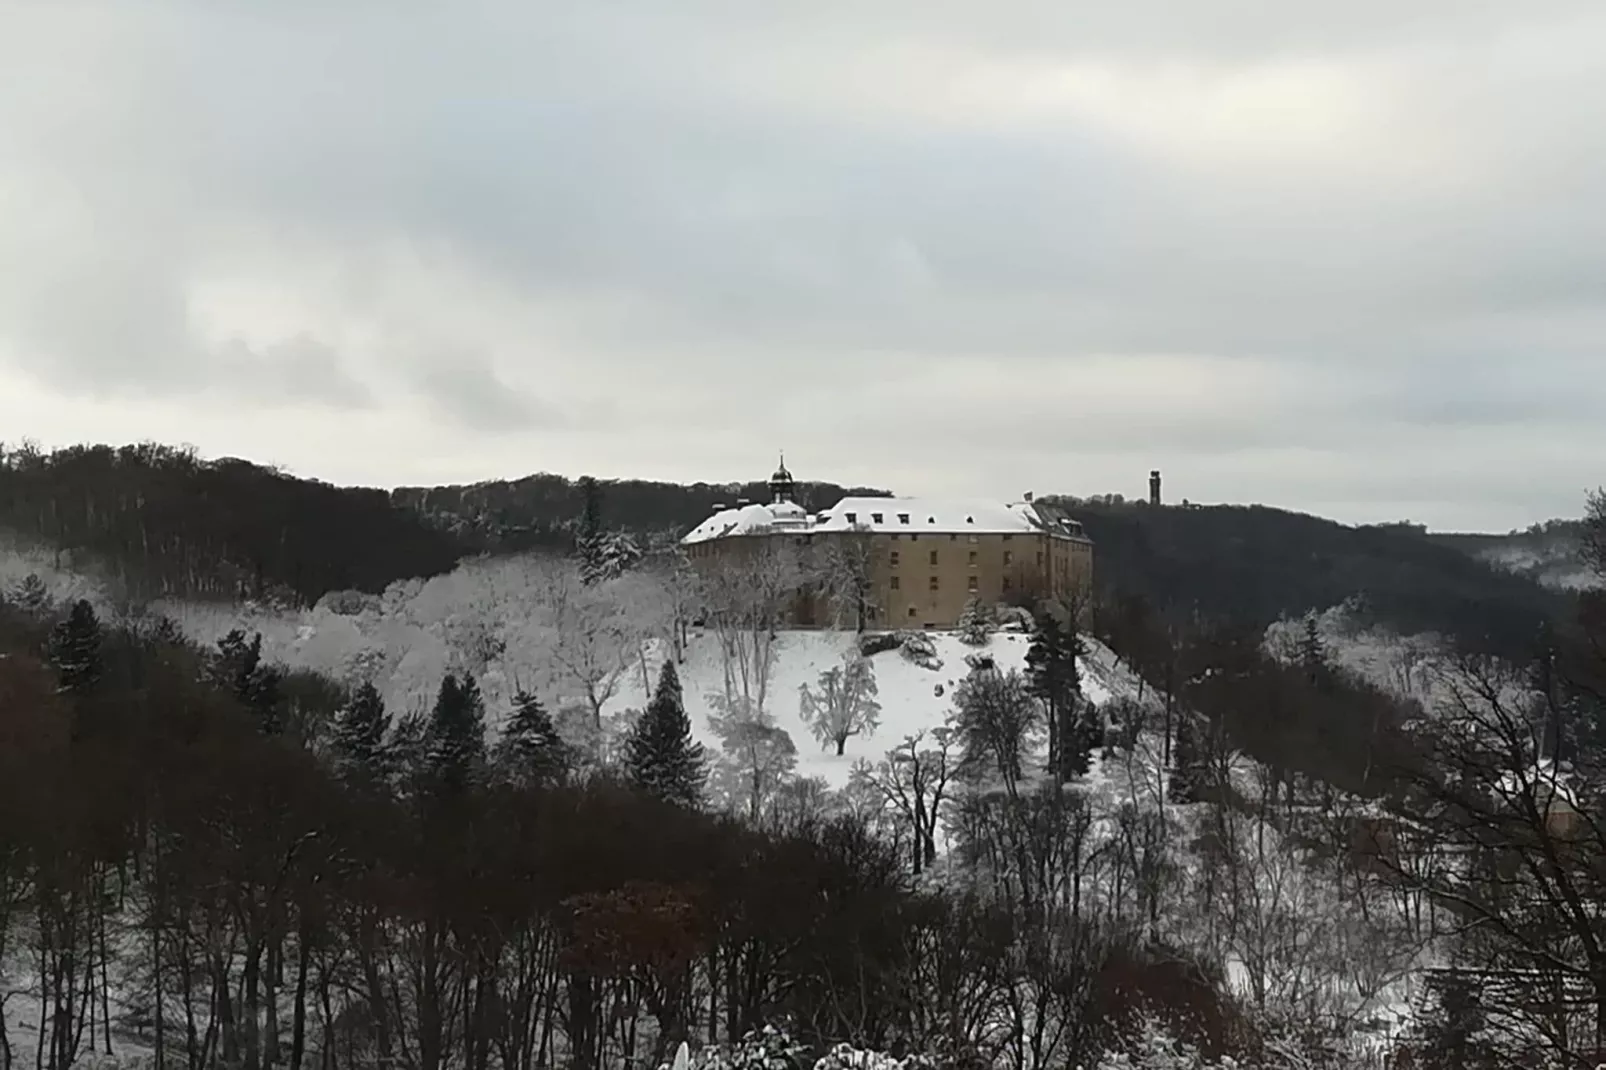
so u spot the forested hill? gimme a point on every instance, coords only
(157, 521)
(1254, 564)
(542, 509)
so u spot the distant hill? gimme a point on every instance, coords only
(1254, 564)
(157, 521)
(542, 509)
(1548, 553)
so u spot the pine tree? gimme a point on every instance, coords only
(531, 751)
(1054, 675)
(1187, 762)
(358, 743)
(456, 737)
(589, 545)
(976, 623)
(660, 757)
(238, 668)
(1312, 652)
(31, 594)
(75, 648)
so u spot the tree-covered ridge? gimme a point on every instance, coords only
(1253, 565)
(544, 509)
(158, 521)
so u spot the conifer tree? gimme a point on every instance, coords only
(661, 758)
(1312, 652)
(31, 594)
(456, 737)
(1055, 677)
(590, 543)
(531, 751)
(359, 743)
(975, 623)
(1187, 762)
(75, 648)
(239, 669)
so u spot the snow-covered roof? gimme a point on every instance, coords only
(936, 516)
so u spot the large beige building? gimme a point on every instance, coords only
(922, 559)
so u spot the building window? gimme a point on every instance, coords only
(952, 537)
(1008, 557)
(973, 559)
(875, 518)
(911, 611)
(972, 585)
(1008, 537)
(894, 583)
(903, 518)
(894, 559)
(933, 583)
(1006, 583)
(853, 518)
(933, 557)
(1039, 559)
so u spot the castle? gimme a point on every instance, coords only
(922, 559)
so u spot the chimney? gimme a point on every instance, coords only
(1028, 497)
(1154, 487)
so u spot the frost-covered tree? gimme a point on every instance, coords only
(661, 758)
(455, 741)
(759, 756)
(31, 594)
(594, 636)
(747, 599)
(976, 624)
(358, 744)
(531, 751)
(75, 648)
(842, 703)
(996, 717)
(912, 781)
(843, 570)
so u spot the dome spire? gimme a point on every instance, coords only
(782, 486)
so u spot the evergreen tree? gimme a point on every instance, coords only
(1187, 762)
(590, 545)
(660, 757)
(1312, 652)
(456, 738)
(359, 744)
(531, 751)
(75, 648)
(31, 594)
(238, 668)
(1054, 675)
(975, 623)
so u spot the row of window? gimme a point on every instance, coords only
(972, 583)
(1009, 558)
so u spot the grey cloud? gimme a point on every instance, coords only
(721, 222)
(466, 389)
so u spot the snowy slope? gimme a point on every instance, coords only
(908, 692)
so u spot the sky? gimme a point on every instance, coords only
(1343, 258)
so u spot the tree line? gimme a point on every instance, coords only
(247, 869)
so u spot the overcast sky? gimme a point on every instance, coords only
(1348, 258)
